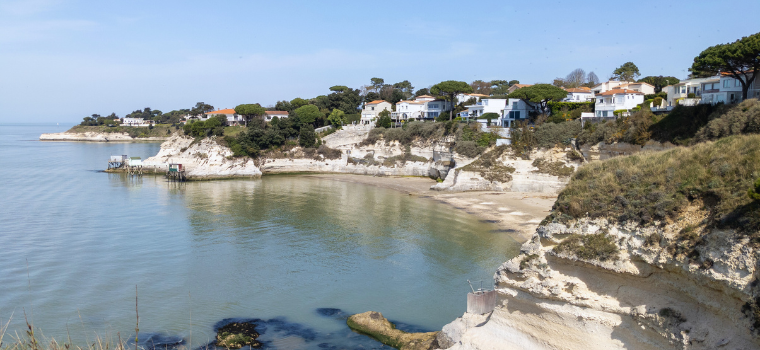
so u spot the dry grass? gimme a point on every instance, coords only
(650, 187)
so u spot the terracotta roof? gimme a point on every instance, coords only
(479, 95)
(619, 91)
(277, 112)
(522, 85)
(411, 102)
(729, 73)
(587, 90)
(376, 102)
(223, 111)
(425, 96)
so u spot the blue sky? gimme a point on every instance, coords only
(63, 60)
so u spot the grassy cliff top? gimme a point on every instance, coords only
(133, 131)
(660, 185)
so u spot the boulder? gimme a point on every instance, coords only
(373, 324)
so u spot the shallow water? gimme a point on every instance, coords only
(276, 248)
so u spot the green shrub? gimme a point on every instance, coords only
(383, 122)
(329, 153)
(649, 187)
(557, 168)
(469, 149)
(489, 166)
(657, 101)
(564, 109)
(549, 135)
(598, 246)
(743, 118)
(307, 138)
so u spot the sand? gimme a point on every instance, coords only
(518, 211)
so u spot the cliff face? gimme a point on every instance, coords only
(652, 251)
(622, 289)
(205, 159)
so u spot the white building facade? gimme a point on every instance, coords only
(579, 95)
(617, 100)
(279, 114)
(232, 117)
(515, 110)
(645, 88)
(423, 107)
(372, 110)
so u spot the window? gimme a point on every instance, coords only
(514, 115)
(514, 105)
(737, 83)
(683, 89)
(726, 83)
(433, 105)
(373, 108)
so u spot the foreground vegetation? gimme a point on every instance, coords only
(656, 187)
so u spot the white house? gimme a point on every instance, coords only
(232, 117)
(644, 88)
(726, 89)
(582, 94)
(679, 93)
(136, 122)
(515, 110)
(462, 98)
(279, 114)
(423, 107)
(372, 110)
(617, 99)
(486, 105)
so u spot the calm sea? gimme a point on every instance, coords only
(75, 242)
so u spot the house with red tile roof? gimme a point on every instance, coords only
(232, 117)
(423, 107)
(582, 94)
(372, 109)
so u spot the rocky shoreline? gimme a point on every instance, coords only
(97, 137)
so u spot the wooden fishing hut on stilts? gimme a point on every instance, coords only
(176, 172)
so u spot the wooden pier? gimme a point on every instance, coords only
(176, 172)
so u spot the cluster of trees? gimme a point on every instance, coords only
(393, 93)
(260, 135)
(97, 120)
(493, 87)
(577, 78)
(739, 59)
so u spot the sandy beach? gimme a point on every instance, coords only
(518, 211)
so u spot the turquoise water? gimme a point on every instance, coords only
(276, 248)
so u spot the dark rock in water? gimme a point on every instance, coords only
(337, 314)
(236, 335)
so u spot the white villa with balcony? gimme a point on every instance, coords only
(582, 94)
(616, 100)
(486, 105)
(678, 94)
(423, 107)
(372, 110)
(726, 89)
(515, 110)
